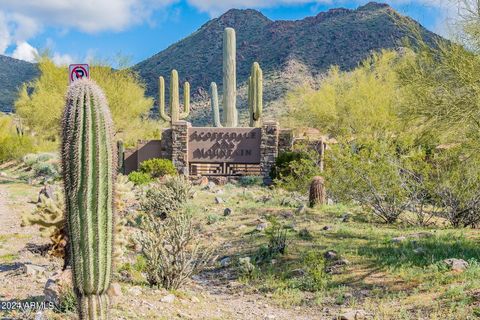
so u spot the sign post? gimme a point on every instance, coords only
(78, 71)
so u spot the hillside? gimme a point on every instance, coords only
(290, 52)
(13, 73)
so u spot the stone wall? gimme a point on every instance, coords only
(180, 146)
(269, 147)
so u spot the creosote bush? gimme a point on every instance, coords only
(139, 178)
(294, 170)
(157, 168)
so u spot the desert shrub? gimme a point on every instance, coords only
(162, 198)
(139, 178)
(315, 278)
(370, 174)
(158, 167)
(172, 249)
(455, 186)
(46, 170)
(67, 301)
(12, 144)
(277, 234)
(294, 170)
(246, 181)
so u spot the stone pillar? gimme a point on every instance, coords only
(268, 148)
(180, 146)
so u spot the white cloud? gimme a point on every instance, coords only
(24, 51)
(62, 59)
(87, 15)
(4, 34)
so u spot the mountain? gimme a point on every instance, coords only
(289, 52)
(13, 73)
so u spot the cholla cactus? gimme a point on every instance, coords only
(229, 83)
(89, 168)
(49, 217)
(255, 95)
(174, 99)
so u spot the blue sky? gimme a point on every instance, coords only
(79, 31)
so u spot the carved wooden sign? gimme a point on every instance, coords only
(229, 145)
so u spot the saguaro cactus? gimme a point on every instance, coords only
(89, 169)
(230, 113)
(175, 113)
(255, 95)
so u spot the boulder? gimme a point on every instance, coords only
(115, 290)
(56, 285)
(218, 200)
(32, 269)
(330, 255)
(458, 265)
(353, 315)
(169, 298)
(227, 212)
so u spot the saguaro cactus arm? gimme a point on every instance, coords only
(174, 96)
(161, 99)
(255, 95)
(89, 166)
(214, 105)
(186, 100)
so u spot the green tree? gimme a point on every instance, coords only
(347, 104)
(41, 102)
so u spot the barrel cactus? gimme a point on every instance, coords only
(317, 192)
(255, 95)
(230, 113)
(89, 169)
(175, 114)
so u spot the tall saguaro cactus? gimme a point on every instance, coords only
(255, 95)
(230, 113)
(89, 167)
(175, 113)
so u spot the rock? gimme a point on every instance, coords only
(261, 226)
(225, 262)
(301, 209)
(194, 299)
(297, 273)
(458, 265)
(220, 191)
(330, 202)
(115, 290)
(32, 269)
(327, 228)
(353, 315)
(270, 317)
(330, 255)
(218, 200)
(210, 185)
(202, 182)
(221, 181)
(169, 298)
(227, 212)
(346, 217)
(399, 239)
(56, 284)
(287, 215)
(419, 250)
(135, 291)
